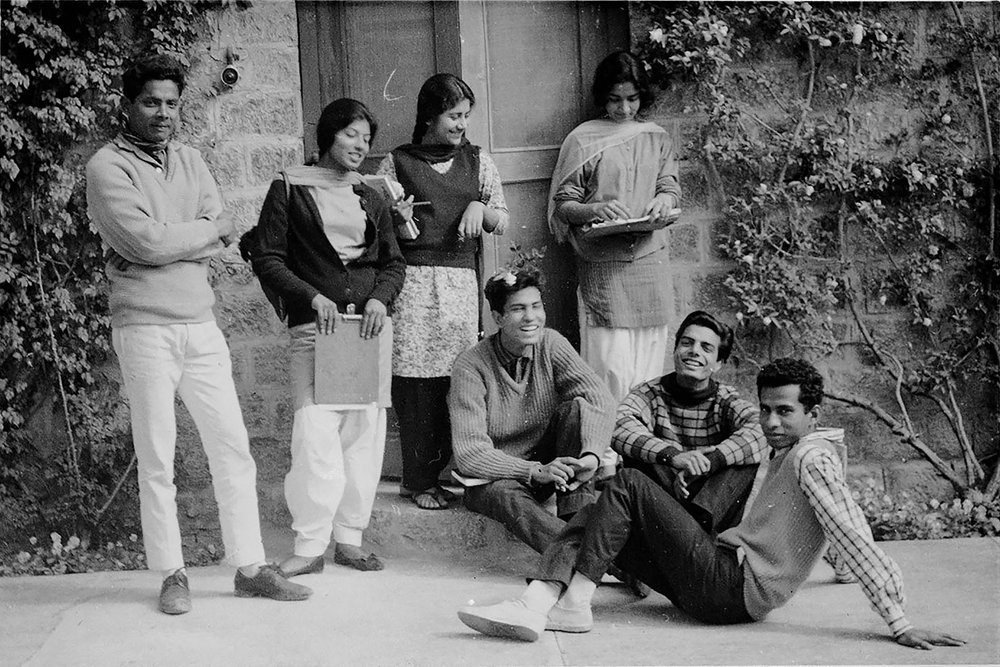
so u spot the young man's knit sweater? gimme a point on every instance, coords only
(496, 422)
(659, 419)
(158, 222)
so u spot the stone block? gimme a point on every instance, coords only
(696, 191)
(252, 113)
(284, 415)
(270, 365)
(241, 354)
(684, 244)
(228, 163)
(197, 118)
(267, 67)
(258, 412)
(270, 21)
(865, 478)
(267, 160)
(710, 292)
(246, 206)
(273, 458)
(917, 480)
(245, 314)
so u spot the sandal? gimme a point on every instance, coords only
(446, 494)
(431, 499)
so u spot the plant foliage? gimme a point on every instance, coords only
(858, 179)
(59, 75)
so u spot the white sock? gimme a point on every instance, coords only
(541, 596)
(579, 593)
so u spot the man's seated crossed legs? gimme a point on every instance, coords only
(529, 418)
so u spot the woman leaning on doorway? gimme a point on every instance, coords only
(437, 312)
(618, 167)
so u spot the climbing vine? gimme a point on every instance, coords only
(858, 181)
(59, 75)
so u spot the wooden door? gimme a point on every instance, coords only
(530, 64)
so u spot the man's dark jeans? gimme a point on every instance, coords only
(521, 508)
(646, 532)
(716, 501)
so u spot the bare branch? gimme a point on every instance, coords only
(905, 435)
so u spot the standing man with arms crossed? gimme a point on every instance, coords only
(158, 212)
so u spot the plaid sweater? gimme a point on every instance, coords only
(660, 419)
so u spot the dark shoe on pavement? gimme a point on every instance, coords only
(509, 618)
(269, 583)
(175, 596)
(369, 563)
(312, 567)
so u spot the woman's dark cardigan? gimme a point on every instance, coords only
(294, 259)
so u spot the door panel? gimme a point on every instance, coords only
(530, 65)
(376, 52)
(533, 64)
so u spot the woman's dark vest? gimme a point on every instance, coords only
(449, 194)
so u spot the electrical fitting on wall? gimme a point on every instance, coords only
(230, 74)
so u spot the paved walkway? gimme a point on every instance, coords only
(405, 615)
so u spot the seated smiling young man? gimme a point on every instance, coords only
(799, 502)
(697, 437)
(529, 418)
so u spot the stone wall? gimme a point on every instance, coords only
(250, 132)
(877, 458)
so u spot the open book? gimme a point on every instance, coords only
(387, 187)
(630, 225)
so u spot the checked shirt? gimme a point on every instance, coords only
(821, 478)
(658, 420)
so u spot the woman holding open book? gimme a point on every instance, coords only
(326, 247)
(457, 186)
(610, 170)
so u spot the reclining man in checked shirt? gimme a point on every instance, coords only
(799, 503)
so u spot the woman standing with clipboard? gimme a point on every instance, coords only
(326, 245)
(437, 313)
(618, 167)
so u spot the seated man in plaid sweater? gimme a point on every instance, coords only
(696, 437)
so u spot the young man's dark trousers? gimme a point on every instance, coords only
(520, 507)
(716, 501)
(646, 532)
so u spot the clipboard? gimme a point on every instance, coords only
(351, 370)
(631, 225)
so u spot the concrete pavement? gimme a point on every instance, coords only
(406, 615)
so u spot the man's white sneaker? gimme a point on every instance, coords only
(564, 619)
(509, 618)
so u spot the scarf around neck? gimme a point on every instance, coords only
(585, 142)
(433, 153)
(154, 149)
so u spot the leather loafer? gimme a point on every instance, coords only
(175, 597)
(269, 583)
(369, 563)
(312, 567)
